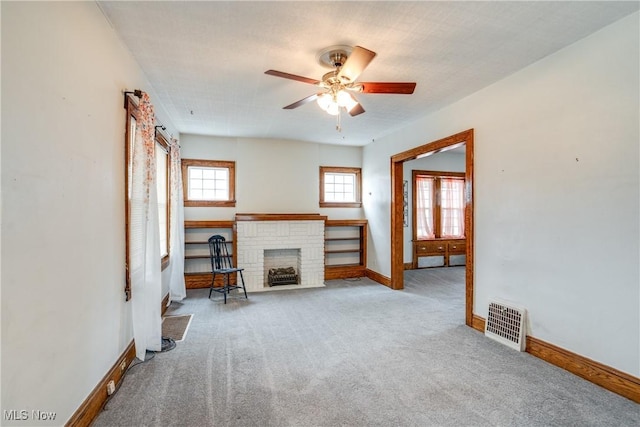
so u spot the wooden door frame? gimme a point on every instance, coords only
(397, 229)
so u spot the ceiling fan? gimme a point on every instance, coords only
(336, 86)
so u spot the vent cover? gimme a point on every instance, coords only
(505, 324)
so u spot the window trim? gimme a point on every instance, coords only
(185, 163)
(358, 187)
(162, 141)
(437, 224)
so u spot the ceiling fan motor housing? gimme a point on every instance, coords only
(334, 56)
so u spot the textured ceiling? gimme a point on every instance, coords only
(206, 60)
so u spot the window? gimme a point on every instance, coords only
(340, 187)
(132, 247)
(438, 205)
(209, 182)
(130, 134)
(162, 182)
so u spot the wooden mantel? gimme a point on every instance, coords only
(280, 217)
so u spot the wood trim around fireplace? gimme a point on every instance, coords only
(280, 217)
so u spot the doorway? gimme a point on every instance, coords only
(397, 221)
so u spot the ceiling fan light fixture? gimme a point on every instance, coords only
(324, 101)
(343, 98)
(333, 109)
(346, 100)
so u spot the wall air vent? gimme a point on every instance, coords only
(505, 324)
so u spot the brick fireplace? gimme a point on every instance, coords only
(302, 234)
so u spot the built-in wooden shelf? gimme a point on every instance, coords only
(201, 256)
(202, 278)
(346, 230)
(356, 230)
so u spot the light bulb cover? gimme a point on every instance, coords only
(350, 103)
(324, 101)
(343, 98)
(333, 109)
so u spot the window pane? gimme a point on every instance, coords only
(452, 207)
(208, 173)
(162, 176)
(424, 207)
(195, 194)
(208, 194)
(195, 184)
(130, 143)
(195, 173)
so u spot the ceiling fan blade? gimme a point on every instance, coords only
(292, 77)
(356, 110)
(379, 87)
(355, 64)
(301, 102)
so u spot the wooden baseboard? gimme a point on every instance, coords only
(408, 266)
(93, 404)
(605, 376)
(478, 323)
(377, 277)
(164, 306)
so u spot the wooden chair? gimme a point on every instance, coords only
(221, 263)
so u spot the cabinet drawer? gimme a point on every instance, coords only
(457, 247)
(426, 248)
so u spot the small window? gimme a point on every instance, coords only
(340, 187)
(209, 182)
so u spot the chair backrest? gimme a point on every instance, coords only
(219, 252)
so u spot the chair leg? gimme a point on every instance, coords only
(225, 290)
(213, 282)
(243, 287)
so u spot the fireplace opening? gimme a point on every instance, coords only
(282, 267)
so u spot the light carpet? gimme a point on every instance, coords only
(352, 354)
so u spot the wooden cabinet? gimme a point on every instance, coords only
(197, 263)
(444, 248)
(345, 248)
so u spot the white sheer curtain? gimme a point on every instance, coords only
(452, 207)
(144, 237)
(424, 207)
(177, 290)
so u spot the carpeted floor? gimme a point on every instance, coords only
(352, 354)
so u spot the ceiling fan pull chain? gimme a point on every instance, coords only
(338, 126)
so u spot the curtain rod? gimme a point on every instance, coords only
(136, 92)
(161, 128)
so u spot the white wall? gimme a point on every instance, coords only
(441, 162)
(272, 176)
(64, 318)
(556, 193)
